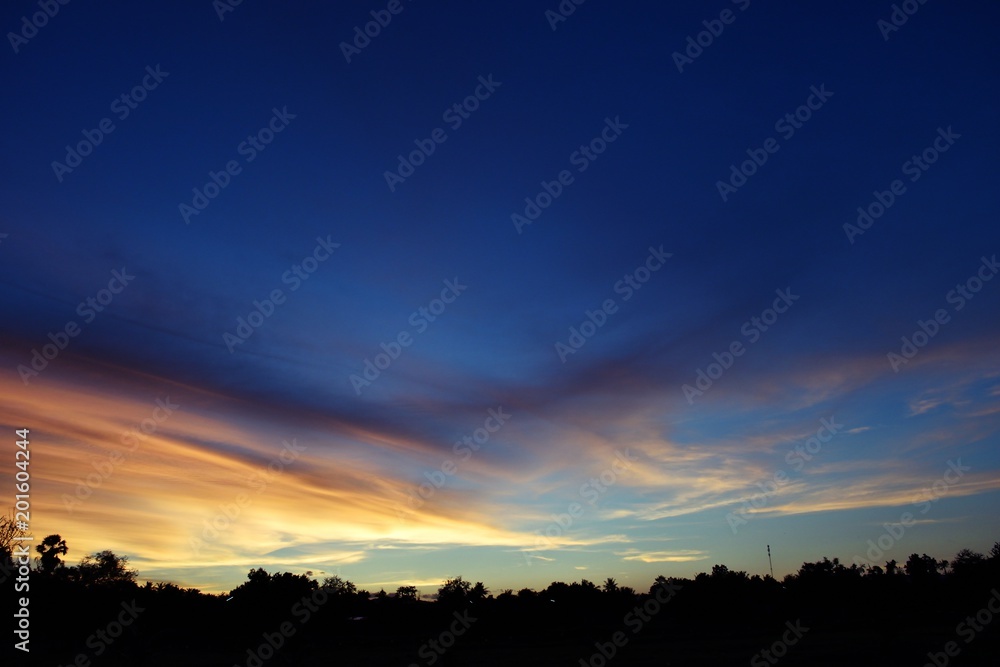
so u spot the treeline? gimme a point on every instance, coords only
(897, 611)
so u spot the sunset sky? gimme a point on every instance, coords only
(630, 355)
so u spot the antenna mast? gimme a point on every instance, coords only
(769, 560)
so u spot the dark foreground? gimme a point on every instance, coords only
(827, 614)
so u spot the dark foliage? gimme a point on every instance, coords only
(856, 614)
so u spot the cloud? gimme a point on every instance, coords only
(345, 498)
(679, 556)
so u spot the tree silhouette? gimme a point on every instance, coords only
(408, 593)
(8, 531)
(50, 550)
(339, 587)
(922, 568)
(105, 568)
(478, 592)
(850, 599)
(967, 562)
(454, 592)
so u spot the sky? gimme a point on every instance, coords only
(523, 292)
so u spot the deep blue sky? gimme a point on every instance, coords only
(495, 345)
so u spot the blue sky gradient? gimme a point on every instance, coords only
(342, 500)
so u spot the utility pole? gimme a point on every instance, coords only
(769, 560)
